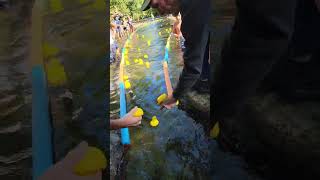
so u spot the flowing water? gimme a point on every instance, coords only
(177, 148)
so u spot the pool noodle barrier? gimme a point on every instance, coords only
(42, 142)
(165, 68)
(125, 136)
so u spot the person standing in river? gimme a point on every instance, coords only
(195, 29)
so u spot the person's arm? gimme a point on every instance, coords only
(127, 120)
(195, 28)
(259, 38)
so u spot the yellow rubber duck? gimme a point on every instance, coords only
(154, 121)
(136, 60)
(147, 65)
(127, 62)
(214, 133)
(94, 161)
(146, 56)
(139, 112)
(162, 98)
(140, 61)
(125, 77)
(149, 43)
(127, 84)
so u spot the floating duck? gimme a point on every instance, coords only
(147, 65)
(146, 56)
(162, 98)
(127, 84)
(138, 113)
(214, 133)
(136, 60)
(94, 161)
(149, 43)
(154, 121)
(127, 62)
(125, 77)
(140, 61)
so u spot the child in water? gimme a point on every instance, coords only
(63, 170)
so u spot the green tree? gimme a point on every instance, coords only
(130, 8)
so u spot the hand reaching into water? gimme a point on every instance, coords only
(128, 120)
(169, 103)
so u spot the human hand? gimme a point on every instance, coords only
(169, 103)
(63, 170)
(130, 120)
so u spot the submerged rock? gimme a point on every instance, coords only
(197, 105)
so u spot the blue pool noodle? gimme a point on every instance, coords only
(42, 148)
(125, 137)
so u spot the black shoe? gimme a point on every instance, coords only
(202, 86)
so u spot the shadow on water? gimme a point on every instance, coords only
(74, 49)
(177, 148)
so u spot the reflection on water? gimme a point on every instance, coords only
(74, 55)
(15, 91)
(178, 147)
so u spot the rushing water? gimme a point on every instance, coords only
(178, 147)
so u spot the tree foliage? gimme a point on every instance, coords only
(130, 8)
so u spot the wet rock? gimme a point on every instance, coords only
(283, 134)
(116, 152)
(197, 105)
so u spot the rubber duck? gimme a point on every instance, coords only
(140, 61)
(214, 133)
(139, 112)
(146, 56)
(147, 65)
(154, 121)
(127, 62)
(94, 161)
(162, 98)
(149, 43)
(127, 84)
(136, 60)
(125, 77)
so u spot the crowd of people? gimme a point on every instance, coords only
(120, 27)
